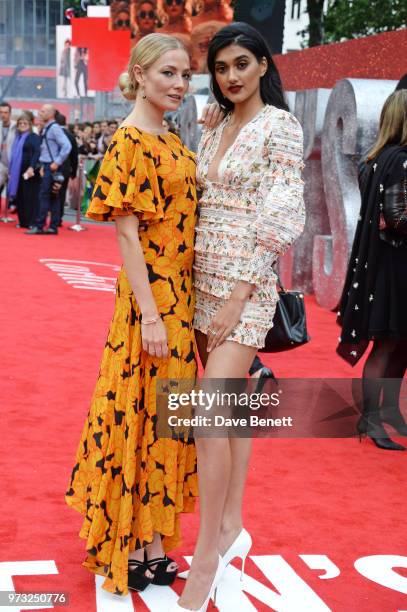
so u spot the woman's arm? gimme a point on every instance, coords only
(281, 217)
(36, 143)
(154, 334)
(395, 199)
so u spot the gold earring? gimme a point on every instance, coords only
(143, 94)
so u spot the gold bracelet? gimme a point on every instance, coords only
(151, 321)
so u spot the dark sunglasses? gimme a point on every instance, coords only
(144, 14)
(123, 23)
(177, 2)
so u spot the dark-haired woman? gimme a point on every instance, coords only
(374, 300)
(251, 210)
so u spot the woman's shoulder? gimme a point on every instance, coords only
(402, 157)
(33, 138)
(131, 138)
(282, 118)
(398, 169)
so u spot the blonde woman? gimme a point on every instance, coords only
(130, 486)
(374, 299)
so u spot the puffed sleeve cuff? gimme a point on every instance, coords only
(281, 214)
(259, 266)
(127, 183)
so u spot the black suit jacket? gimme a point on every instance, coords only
(31, 152)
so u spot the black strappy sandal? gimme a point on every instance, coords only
(161, 576)
(137, 579)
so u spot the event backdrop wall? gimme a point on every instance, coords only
(267, 16)
(193, 21)
(72, 66)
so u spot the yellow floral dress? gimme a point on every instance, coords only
(128, 483)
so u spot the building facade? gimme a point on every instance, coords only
(27, 31)
(28, 47)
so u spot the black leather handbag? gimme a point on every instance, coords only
(289, 324)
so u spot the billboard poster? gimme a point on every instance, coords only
(193, 21)
(72, 66)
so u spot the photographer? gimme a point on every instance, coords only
(55, 148)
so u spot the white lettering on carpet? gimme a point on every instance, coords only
(89, 275)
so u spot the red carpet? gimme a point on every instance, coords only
(315, 508)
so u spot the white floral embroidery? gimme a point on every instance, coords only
(356, 285)
(353, 333)
(356, 307)
(371, 297)
(354, 353)
(248, 217)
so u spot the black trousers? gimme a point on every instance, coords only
(48, 201)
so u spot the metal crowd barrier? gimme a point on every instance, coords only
(76, 190)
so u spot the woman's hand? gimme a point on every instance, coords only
(154, 337)
(212, 115)
(224, 321)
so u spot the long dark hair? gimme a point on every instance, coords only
(246, 36)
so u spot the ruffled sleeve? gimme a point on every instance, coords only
(281, 215)
(127, 183)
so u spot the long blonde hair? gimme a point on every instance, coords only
(393, 123)
(147, 51)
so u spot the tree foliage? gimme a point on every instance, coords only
(347, 19)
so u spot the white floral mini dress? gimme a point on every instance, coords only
(248, 218)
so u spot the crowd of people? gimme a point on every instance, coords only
(39, 156)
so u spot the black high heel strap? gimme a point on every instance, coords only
(136, 563)
(160, 560)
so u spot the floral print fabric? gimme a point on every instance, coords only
(128, 483)
(247, 218)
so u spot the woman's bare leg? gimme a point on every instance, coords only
(240, 451)
(232, 523)
(231, 360)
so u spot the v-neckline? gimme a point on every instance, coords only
(217, 141)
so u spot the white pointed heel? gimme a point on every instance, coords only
(240, 547)
(183, 575)
(212, 591)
